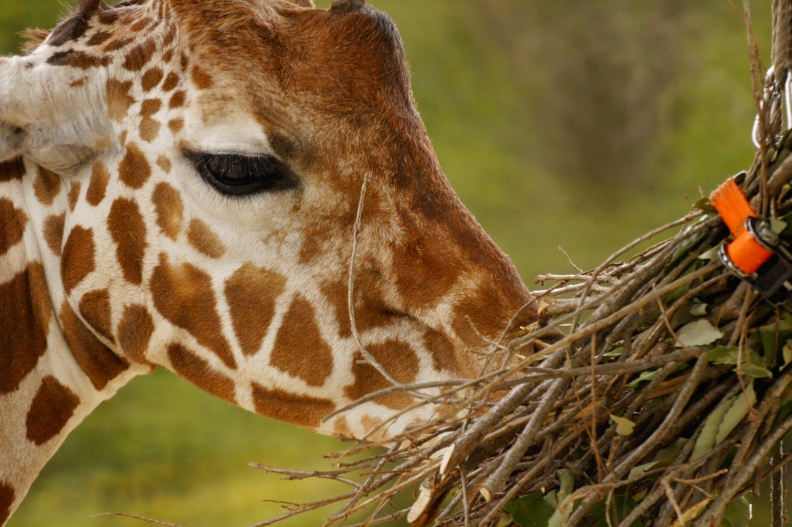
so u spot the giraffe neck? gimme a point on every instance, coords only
(53, 370)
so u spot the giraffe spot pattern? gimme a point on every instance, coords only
(196, 370)
(134, 169)
(204, 240)
(78, 59)
(169, 209)
(77, 260)
(134, 332)
(74, 194)
(25, 312)
(97, 188)
(47, 186)
(95, 309)
(52, 407)
(7, 496)
(139, 56)
(53, 232)
(77, 84)
(251, 293)
(151, 79)
(441, 350)
(176, 125)
(299, 348)
(184, 296)
(118, 99)
(171, 81)
(10, 170)
(98, 38)
(201, 79)
(149, 129)
(13, 222)
(128, 230)
(178, 99)
(398, 359)
(164, 163)
(301, 410)
(96, 360)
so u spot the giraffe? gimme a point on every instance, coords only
(179, 186)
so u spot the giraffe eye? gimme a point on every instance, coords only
(243, 175)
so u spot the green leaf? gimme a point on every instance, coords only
(712, 254)
(698, 333)
(624, 426)
(530, 511)
(723, 420)
(663, 458)
(777, 226)
(704, 205)
(787, 353)
(564, 509)
(648, 375)
(699, 310)
(682, 290)
(615, 352)
(724, 355)
(755, 371)
(640, 470)
(623, 505)
(737, 514)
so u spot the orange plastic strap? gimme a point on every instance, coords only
(732, 205)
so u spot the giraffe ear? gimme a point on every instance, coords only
(53, 115)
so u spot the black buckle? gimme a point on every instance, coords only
(773, 280)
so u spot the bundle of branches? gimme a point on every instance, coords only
(663, 401)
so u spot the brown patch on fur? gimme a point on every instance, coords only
(149, 107)
(171, 81)
(140, 25)
(301, 410)
(204, 240)
(167, 56)
(196, 370)
(178, 99)
(371, 311)
(341, 428)
(128, 230)
(47, 186)
(12, 169)
(169, 208)
(139, 56)
(134, 332)
(183, 294)
(95, 309)
(7, 496)
(117, 44)
(165, 164)
(13, 222)
(442, 351)
(25, 312)
(201, 79)
(176, 125)
(77, 261)
(151, 79)
(398, 359)
(134, 169)
(74, 194)
(96, 360)
(77, 83)
(100, 177)
(149, 129)
(251, 293)
(50, 411)
(78, 59)
(489, 322)
(98, 38)
(53, 232)
(118, 99)
(299, 348)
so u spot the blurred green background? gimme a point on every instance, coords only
(580, 124)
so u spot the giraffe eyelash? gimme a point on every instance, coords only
(244, 175)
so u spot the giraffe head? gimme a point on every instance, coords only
(194, 170)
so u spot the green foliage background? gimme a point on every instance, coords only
(560, 123)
